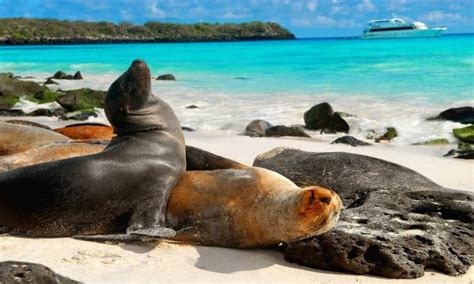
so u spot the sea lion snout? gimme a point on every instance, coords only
(317, 200)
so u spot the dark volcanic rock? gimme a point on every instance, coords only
(81, 99)
(192, 106)
(78, 76)
(257, 128)
(11, 89)
(187, 128)
(24, 272)
(50, 81)
(318, 116)
(62, 76)
(336, 124)
(322, 116)
(41, 112)
(350, 140)
(396, 223)
(12, 112)
(166, 77)
(389, 134)
(463, 115)
(464, 151)
(78, 115)
(282, 130)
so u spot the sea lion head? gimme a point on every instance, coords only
(130, 105)
(319, 209)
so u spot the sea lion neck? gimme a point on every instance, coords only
(130, 105)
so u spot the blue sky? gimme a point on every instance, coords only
(309, 18)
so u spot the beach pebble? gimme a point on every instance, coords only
(350, 140)
(257, 128)
(166, 77)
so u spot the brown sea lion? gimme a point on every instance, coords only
(51, 152)
(15, 138)
(126, 186)
(87, 131)
(221, 202)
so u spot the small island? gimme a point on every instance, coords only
(22, 31)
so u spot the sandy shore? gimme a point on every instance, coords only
(166, 262)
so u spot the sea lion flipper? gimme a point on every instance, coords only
(158, 232)
(111, 238)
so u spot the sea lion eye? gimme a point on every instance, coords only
(125, 88)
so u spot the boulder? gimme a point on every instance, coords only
(318, 116)
(396, 222)
(62, 76)
(25, 272)
(41, 112)
(192, 106)
(12, 112)
(282, 130)
(350, 140)
(322, 116)
(50, 81)
(463, 115)
(464, 151)
(166, 77)
(465, 134)
(389, 134)
(336, 124)
(78, 76)
(257, 128)
(11, 89)
(81, 99)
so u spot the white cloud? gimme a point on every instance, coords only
(396, 5)
(322, 21)
(340, 10)
(442, 17)
(155, 11)
(312, 6)
(366, 6)
(234, 15)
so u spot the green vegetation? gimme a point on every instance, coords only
(465, 134)
(46, 31)
(82, 99)
(440, 141)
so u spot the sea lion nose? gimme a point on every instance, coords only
(326, 200)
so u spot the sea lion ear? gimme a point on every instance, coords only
(125, 88)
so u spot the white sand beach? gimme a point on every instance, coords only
(91, 262)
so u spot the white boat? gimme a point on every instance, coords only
(398, 28)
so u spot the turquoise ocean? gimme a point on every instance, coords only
(395, 82)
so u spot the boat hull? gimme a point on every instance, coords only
(403, 34)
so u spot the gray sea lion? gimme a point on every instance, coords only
(126, 186)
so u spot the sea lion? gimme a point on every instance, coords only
(15, 138)
(51, 152)
(87, 131)
(248, 207)
(127, 185)
(221, 202)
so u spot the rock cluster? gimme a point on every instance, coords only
(262, 128)
(396, 223)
